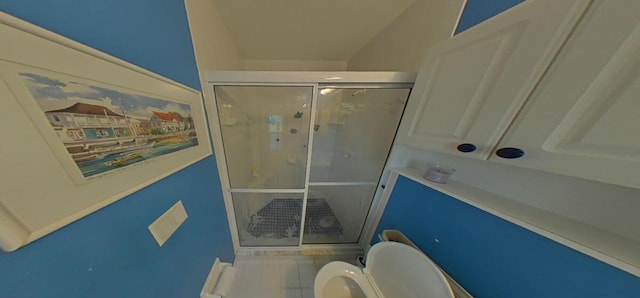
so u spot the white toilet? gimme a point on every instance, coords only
(393, 270)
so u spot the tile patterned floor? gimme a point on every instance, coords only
(281, 218)
(279, 277)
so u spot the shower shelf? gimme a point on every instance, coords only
(613, 249)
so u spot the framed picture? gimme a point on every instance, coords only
(83, 129)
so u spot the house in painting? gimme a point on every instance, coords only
(91, 131)
(82, 121)
(167, 122)
(143, 127)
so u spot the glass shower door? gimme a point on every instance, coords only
(265, 132)
(353, 132)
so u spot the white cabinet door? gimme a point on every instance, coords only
(470, 87)
(584, 117)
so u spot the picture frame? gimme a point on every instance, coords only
(82, 130)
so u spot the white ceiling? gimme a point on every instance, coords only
(306, 29)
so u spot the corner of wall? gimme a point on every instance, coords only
(402, 44)
(211, 35)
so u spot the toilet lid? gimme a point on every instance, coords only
(399, 270)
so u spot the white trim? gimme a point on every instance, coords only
(221, 161)
(367, 86)
(377, 208)
(609, 248)
(457, 23)
(267, 190)
(260, 84)
(341, 183)
(215, 275)
(312, 77)
(312, 121)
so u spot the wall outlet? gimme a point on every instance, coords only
(163, 227)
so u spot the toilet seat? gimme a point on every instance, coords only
(335, 278)
(393, 270)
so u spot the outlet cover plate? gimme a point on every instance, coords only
(163, 227)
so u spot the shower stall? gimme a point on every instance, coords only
(301, 154)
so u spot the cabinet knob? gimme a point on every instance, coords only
(466, 147)
(510, 152)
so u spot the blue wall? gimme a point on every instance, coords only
(110, 253)
(477, 11)
(151, 34)
(491, 257)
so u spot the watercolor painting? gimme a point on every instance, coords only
(104, 128)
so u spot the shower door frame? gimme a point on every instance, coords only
(315, 80)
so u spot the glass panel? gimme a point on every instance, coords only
(268, 219)
(354, 130)
(336, 214)
(265, 131)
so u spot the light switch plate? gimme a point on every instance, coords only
(163, 227)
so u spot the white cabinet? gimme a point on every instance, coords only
(470, 87)
(584, 117)
(567, 95)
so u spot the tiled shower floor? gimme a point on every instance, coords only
(281, 218)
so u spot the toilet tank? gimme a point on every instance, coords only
(401, 271)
